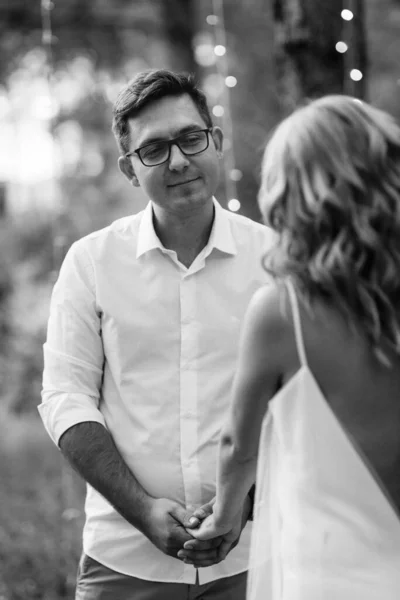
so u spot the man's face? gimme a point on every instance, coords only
(183, 182)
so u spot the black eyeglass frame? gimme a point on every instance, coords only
(170, 143)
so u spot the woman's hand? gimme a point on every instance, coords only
(211, 528)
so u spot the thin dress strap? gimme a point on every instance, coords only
(297, 323)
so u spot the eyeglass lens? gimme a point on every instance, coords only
(190, 143)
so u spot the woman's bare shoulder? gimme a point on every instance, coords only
(269, 324)
(267, 308)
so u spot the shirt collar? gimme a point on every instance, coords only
(147, 237)
(220, 237)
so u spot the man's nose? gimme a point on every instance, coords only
(177, 160)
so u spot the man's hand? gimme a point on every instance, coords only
(165, 527)
(228, 541)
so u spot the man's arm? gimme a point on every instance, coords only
(91, 451)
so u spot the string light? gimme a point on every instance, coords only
(218, 110)
(347, 15)
(47, 35)
(45, 107)
(356, 75)
(230, 81)
(58, 246)
(236, 175)
(353, 74)
(234, 205)
(204, 54)
(341, 47)
(212, 19)
(220, 50)
(231, 174)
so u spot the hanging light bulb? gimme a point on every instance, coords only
(356, 75)
(220, 50)
(236, 175)
(341, 47)
(347, 15)
(231, 81)
(234, 205)
(212, 19)
(218, 110)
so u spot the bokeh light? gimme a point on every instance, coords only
(218, 110)
(341, 47)
(212, 19)
(356, 75)
(236, 175)
(231, 81)
(234, 205)
(219, 50)
(347, 15)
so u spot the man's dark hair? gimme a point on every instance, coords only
(147, 87)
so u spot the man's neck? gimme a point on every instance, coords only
(186, 234)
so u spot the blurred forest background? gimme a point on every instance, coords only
(61, 67)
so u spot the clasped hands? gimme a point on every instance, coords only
(196, 538)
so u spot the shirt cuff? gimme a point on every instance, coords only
(59, 411)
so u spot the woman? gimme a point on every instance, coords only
(316, 398)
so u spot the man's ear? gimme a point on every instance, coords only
(126, 168)
(218, 138)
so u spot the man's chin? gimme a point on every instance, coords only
(193, 200)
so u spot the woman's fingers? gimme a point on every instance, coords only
(202, 545)
(201, 558)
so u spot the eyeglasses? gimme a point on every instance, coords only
(156, 153)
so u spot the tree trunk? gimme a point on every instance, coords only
(179, 27)
(306, 60)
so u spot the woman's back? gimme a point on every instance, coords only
(328, 502)
(363, 393)
(330, 190)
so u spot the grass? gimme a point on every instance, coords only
(41, 514)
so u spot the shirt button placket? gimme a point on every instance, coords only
(189, 392)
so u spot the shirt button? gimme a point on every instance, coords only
(187, 414)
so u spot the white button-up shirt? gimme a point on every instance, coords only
(147, 347)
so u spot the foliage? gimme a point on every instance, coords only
(40, 515)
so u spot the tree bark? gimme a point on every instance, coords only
(306, 60)
(179, 26)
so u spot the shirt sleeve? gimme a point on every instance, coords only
(73, 352)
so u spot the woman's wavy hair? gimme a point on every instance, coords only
(331, 190)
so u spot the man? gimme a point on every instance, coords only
(140, 354)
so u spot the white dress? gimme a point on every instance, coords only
(324, 529)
